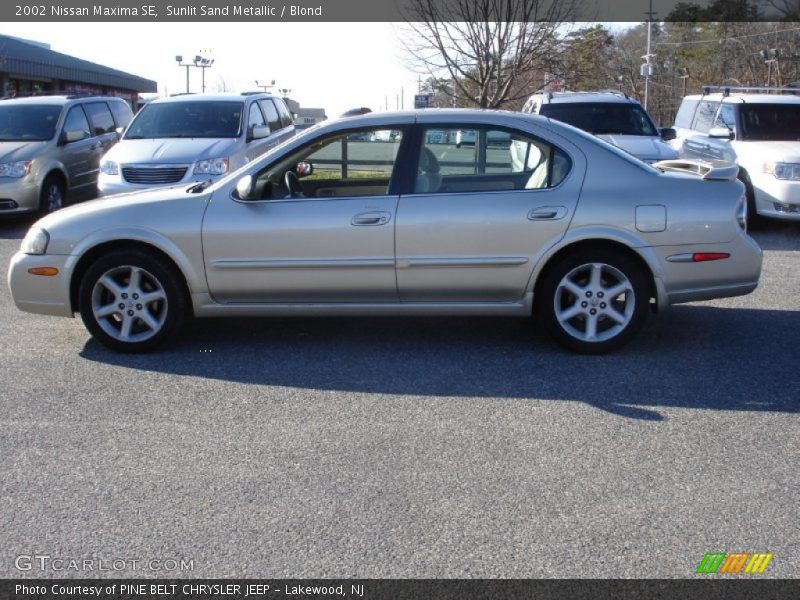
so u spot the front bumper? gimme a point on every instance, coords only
(39, 294)
(18, 196)
(776, 198)
(736, 275)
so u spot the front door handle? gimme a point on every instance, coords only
(371, 218)
(547, 213)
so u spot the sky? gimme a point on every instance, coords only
(335, 66)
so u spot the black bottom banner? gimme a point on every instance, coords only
(396, 589)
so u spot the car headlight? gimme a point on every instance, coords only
(15, 169)
(35, 241)
(109, 167)
(212, 166)
(781, 170)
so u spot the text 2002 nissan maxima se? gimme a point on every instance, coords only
(367, 216)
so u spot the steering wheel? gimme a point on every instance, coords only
(293, 184)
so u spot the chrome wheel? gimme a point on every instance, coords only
(594, 302)
(129, 303)
(53, 197)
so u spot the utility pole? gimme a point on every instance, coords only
(647, 68)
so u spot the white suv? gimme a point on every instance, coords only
(612, 116)
(757, 130)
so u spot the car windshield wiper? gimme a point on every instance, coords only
(199, 187)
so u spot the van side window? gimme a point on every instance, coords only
(286, 116)
(76, 121)
(122, 113)
(683, 119)
(271, 114)
(100, 116)
(705, 116)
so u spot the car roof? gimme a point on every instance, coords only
(229, 96)
(748, 98)
(437, 116)
(578, 97)
(56, 100)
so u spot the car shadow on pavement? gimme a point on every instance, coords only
(691, 356)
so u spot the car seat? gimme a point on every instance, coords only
(429, 179)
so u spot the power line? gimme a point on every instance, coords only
(730, 37)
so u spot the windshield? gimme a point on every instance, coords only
(28, 123)
(212, 119)
(770, 122)
(603, 117)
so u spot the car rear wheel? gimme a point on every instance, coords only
(51, 198)
(131, 302)
(593, 302)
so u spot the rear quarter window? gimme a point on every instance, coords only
(685, 113)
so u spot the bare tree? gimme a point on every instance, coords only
(494, 51)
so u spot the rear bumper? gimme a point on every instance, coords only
(690, 282)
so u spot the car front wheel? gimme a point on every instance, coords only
(594, 302)
(131, 302)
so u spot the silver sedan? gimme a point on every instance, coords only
(376, 215)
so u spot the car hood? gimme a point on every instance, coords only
(643, 147)
(14, 151)
(776, 151)
(170, 150)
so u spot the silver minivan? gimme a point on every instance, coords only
(193, 137)
(51, 147)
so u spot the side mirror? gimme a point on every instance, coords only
(259, 132)
(668, 133)
(722, 133)
(244, 187)
(304, 168)
(73, 136)
(120, 131)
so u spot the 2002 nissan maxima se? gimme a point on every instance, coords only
(368, 216)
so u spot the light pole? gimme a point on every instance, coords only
(179, 60)
(265, 86)
(647, 68)
(201, 62)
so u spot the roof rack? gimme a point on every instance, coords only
(726, 89)
(253, 93)
(182, 94)
(615, 92)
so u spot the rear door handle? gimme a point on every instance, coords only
(371, 218)
(547, 213)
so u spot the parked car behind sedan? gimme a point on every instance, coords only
(578, 233)
(50, 148)
(756, 128)
(194, 137)
(612, 116)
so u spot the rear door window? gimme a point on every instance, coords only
(271, 114)
(122, 113)
(286, 116)
(100, 116)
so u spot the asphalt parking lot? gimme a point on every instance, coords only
(408, 447)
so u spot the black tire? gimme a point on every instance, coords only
(753, 218)
(52, 196)
(631, 306)
(156, 279)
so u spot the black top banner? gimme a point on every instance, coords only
(394, 589)
(399, 10)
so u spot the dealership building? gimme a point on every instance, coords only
(28, 68)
